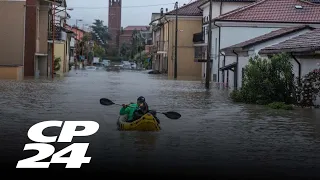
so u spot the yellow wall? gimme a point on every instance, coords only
(186, 65)
(15, 73)
(61, 51)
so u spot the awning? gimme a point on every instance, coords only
(161, 52)
(229, 66)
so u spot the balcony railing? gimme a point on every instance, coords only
(200, 53)
(148, 41)
(56, 1)
(59, 34)
(198, 38)
(160, 45)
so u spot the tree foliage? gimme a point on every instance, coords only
(266, 81)
(125, 50)
(308, 88)
(98, 51)
(100, 31)
(57, 64)
(137, 43)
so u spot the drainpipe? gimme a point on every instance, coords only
(165, 18)
(224, 63)
(220, 7)
(48, 44)
(299, 66)
(236, 72)
(219, 52)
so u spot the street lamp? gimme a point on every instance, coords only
(77, 41)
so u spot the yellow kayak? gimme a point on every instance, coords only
(146, 123)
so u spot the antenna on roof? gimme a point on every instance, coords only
(298, 7)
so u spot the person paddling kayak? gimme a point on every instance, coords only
(134, 111)
(129, 110)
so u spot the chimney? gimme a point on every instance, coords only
(161, 12)
(166, 10)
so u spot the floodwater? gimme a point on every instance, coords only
(213, 134)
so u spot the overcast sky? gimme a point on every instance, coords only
(88, 10)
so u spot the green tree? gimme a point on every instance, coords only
(98, 51)
(57, 65)
(100, 31)
(137, 43)
(125, 50)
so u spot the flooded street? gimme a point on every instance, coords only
(213, 133)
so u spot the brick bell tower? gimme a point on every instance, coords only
(114, 24)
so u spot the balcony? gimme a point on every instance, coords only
(59, 34)
(160, 45)
(198, 38)
(148, 41)
(58, 2)
(200, 54)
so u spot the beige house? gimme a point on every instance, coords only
(189, 23)
(24, 38)
(12, 39)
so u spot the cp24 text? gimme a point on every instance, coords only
(45, 150)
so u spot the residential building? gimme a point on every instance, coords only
(156, 29)
(61, 42)
(189, 22)
(219, 7)
(79, 33)
(72, 49)
(127, 32)
(246, 30)
(300, 42)
(238, 55)
(12, 39)
(25, 34)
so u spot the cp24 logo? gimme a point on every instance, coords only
(68, 131)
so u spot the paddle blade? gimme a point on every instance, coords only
(106, 102)
(172, 115)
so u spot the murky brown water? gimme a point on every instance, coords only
(213, 133)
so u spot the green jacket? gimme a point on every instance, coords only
(129, 110)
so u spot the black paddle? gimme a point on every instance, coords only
(169, 114)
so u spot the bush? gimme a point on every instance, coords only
(280, 105)
(266, 81)
(236, 96)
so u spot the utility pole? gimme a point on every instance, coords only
(176, 44)
(53, 36)
(208, 69)
(78, 40)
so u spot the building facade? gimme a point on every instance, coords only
(255, 21)
(189, 22)
(219, 7)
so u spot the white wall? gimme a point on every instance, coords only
(226, 7)
(243, 61)
(72, 42)
(231, 36)
(235, 35)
